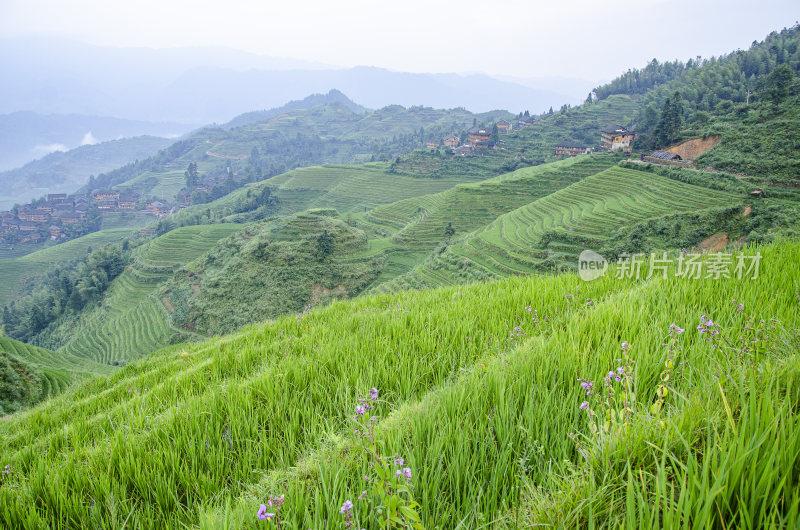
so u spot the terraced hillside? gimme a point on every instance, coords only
(14, 271)
(330, 133)
(490, 425)
(347, 188)
(271, 269)
(419, 223)
(130, 322)
(553, 230)
(59, 369)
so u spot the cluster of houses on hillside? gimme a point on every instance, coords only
(114, 201)
(478, 137)
(612, 138)
(58, 212)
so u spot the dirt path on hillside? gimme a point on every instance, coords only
(715, 243)
(168, 305)
(691, 149)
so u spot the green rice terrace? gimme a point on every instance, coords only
(130, 321)
(31, 374)
(534, 400)
(576, 217)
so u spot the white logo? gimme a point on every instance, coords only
(591, 265)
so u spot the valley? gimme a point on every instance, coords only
(322, 315)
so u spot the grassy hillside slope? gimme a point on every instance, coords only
(40, 373)
(347, 188)
(550, 232)
(130, 322)
(271, 269)
(200, 435)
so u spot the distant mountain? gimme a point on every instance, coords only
(204, 85)
(314, 100)
(26, 136)
(65, 172)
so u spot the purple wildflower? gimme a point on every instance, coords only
(407, 472)
(360, 410)
(625, 346)
(528, 308)
(346, 507)
(398, 473)
(677, 329)
(373, 393)
(399, 462)
(584, 405)
(263, 513)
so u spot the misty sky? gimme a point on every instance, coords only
(575, 38)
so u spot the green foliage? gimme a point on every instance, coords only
(777, 83)
(271, 269)
(20, 384)
(63, 291)
(197, 435)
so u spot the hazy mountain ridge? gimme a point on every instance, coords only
(66, 171)
(205, 85)
(28, 135)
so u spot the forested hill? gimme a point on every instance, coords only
(748, 97)
(314, 100)
(330, 133)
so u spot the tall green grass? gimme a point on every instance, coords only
(200, 435)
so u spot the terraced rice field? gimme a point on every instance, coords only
(419, 223)
(130, 322)
(354, 188)
(59, 369)
(593, 208)
(13, 271)
(164, 185)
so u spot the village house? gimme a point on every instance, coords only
(107, 204)
(127, 202)
(46, 207)
(663, 155)
(571, 149)
(71, 218)
(99, 195)
(431, 145)
(159, 208)
(479, 137)
(56, 233)
(451, 141)
(31, 237)
(56, 196)
(185, 197)
(27, 226)
(6, 217)
(525, 121)
(504, 126)
(35, 216)
(615, 138)
(464, 150)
